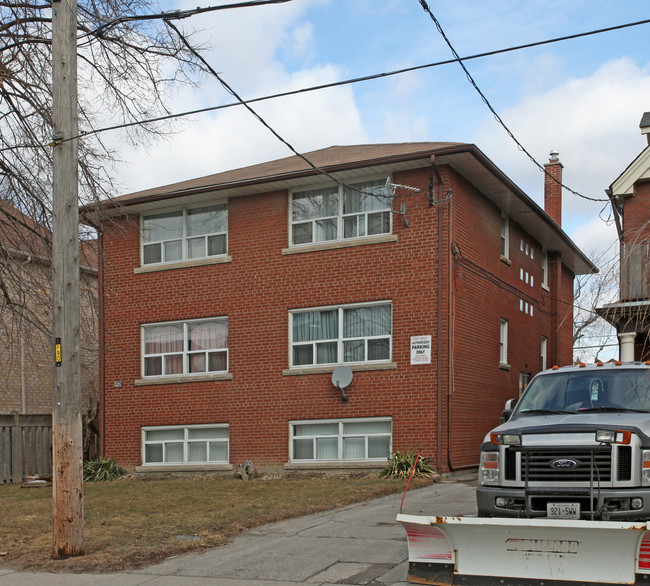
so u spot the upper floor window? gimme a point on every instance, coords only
(335, 335)
(184, 234)
(191, 347)
(543, 353)
(340, 212)
(505, 237)
(503, 342)
(544, 269)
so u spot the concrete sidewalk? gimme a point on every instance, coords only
(358, 544)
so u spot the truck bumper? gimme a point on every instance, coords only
(630, 504)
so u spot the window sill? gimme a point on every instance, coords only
(505, 259)
(338, 465)
(546, 287)
(175, 380)
(333, 245)
(185, 468)
(328, 369)
(504, 366)
(186, 264)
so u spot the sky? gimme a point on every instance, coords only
(584, 97)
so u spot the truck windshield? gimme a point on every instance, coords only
(573, 392)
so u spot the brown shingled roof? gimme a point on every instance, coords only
(330, 159)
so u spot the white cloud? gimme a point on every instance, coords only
(593, 122)
(246, 50)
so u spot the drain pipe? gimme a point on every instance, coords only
(439, 348)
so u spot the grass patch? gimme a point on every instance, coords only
(134, 522)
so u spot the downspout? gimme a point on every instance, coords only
(101, 334)
(450, 338)
(440, 386)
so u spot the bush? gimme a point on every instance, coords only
(102, 469)
(400, 466)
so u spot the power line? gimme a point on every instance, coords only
(173, 15)
(178, 14)
(426, 8)
(231, 91)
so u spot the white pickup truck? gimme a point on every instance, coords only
(575, 446)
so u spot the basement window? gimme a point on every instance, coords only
(192, 444)
(341, 440)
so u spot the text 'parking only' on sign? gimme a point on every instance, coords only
(420, 349)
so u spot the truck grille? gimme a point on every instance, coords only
(557, 465)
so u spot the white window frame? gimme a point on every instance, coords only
(340, 339)
(186, 352)
(184, 238)
(340, 437)
(186, 442)
(340, 215)
(505, 236)
(545, 269)
(544, 352)
(503, 341)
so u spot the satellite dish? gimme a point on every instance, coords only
(341, 378)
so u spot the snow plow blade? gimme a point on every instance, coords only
(525, 552)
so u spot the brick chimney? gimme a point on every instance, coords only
(553, 188)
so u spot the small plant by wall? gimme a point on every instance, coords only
(400, 466)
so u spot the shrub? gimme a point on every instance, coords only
(400, 466)
(102, 469)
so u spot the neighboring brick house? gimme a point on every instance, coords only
(630, 197)
(229, 300)
(25, 316)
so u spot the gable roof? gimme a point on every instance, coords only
(638, 169)
(348, 163)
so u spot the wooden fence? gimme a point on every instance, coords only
(25, 447)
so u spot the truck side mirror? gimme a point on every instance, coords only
(509, 407)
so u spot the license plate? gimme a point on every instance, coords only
(563, 510)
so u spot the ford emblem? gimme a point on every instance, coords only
(564, 464)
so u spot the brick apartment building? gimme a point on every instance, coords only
(25, 316)
(231, 299)
(630, 197)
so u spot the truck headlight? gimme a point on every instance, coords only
(645, 471)
(489, 468)
(605, 436)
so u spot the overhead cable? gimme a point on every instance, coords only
(426, 8)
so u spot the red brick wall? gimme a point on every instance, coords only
(259, 287)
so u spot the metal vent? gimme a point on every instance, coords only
(624, 468)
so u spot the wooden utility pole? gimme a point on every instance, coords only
(67, 484)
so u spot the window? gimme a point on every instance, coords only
(505, 237)
(544, 269)
(544, 352)
(340, 212)
(361, 439)
(178, 348)
(503, 342)
(194, 444)
(184, 234)
(335, 335)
